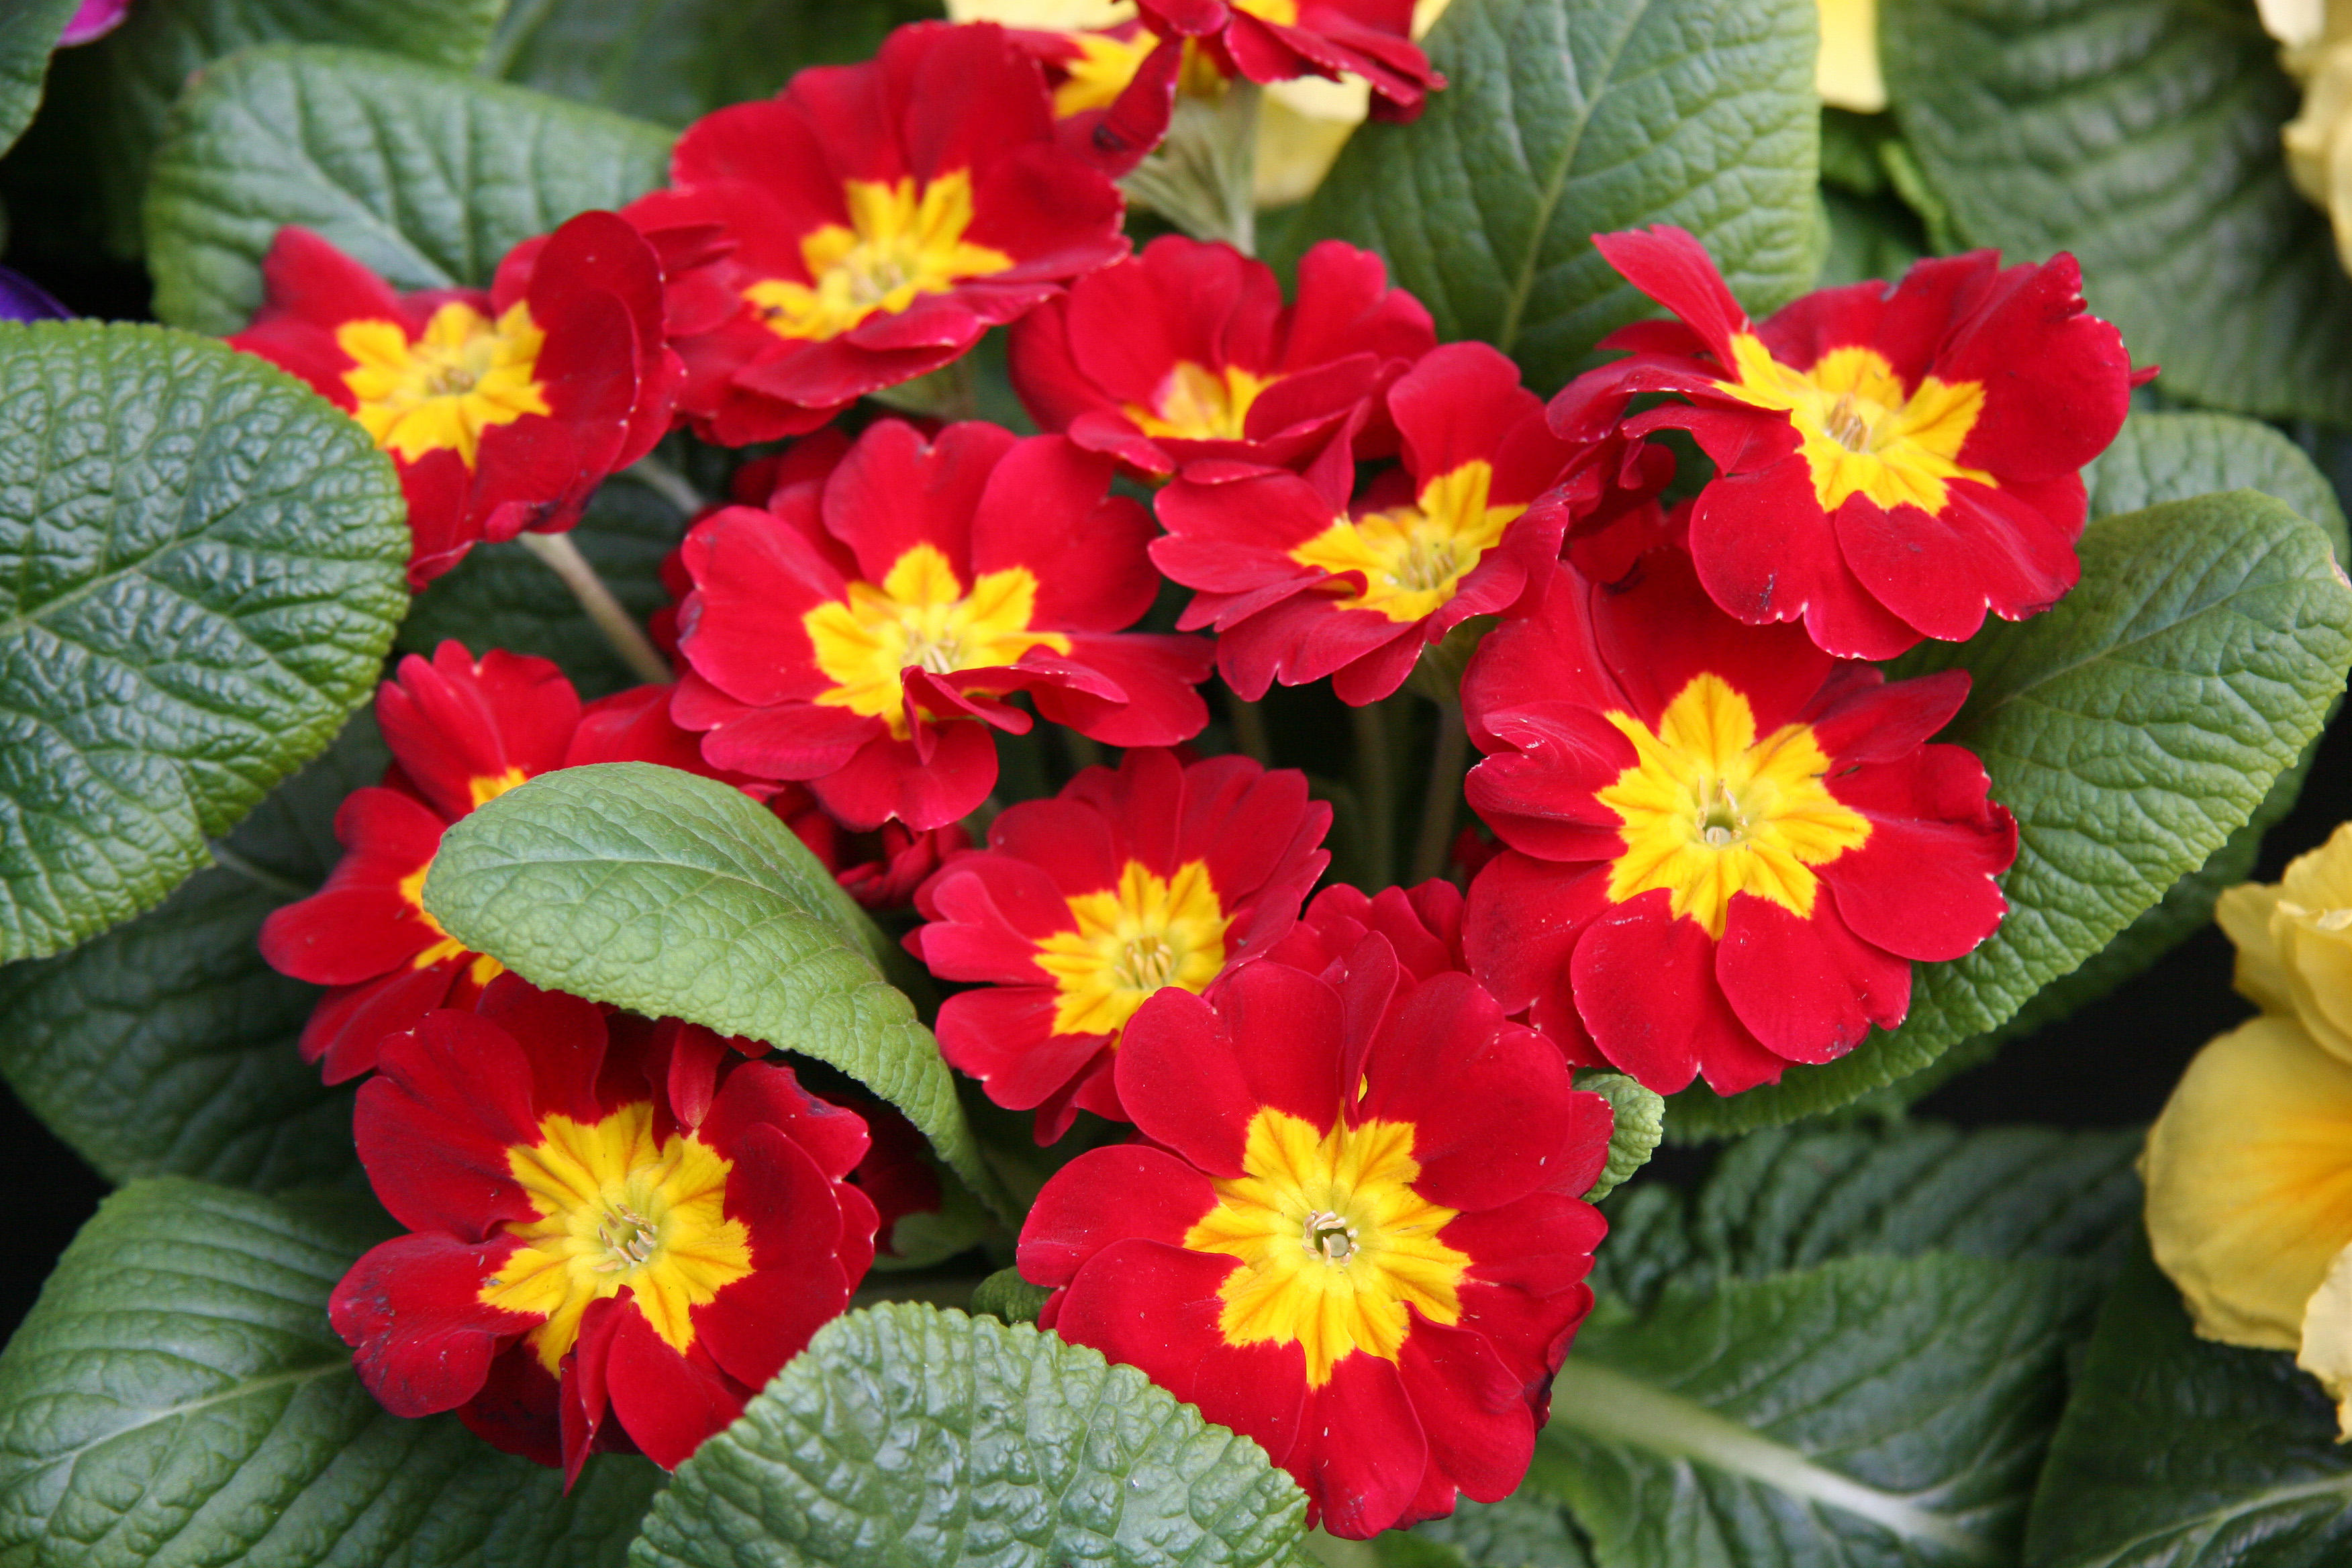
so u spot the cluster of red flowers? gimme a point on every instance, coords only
(1348, 1221)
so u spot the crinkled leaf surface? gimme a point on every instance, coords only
(121, 89)
(29, 34)
(2176, 1452)
(672, 60)
(502, 596)
(166, 1045)
(427, 175)
(1568, 118)
(2143, 136)
(673, 895)
(200, 570)
(2132, 729)
(913, 1437)
(177, 1398)
(1846, 1348)
(1637, 1116)
(1529, 1529)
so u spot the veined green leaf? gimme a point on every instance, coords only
(1568, 118)
(2132, 729)
(28, 36)
(203, 562)
(912, 1437)
(166, 1046)
(426, 175)
(176, 1399)
(2175, 1452)
(121, 89)
(672, 60)
(673, 895)
(2143, 136)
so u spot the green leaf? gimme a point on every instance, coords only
(2162, 456)
(427, 175)
(1638, 1120)
(1005, 1295)
(2177, 1453)
(1568, 118)
(177, 1398)
(203, 564)
(2142, 135)
(1870, 237)
(672, 895)
(1869, 1409)
(1527, 1530)
(502, 596)
(2131, 729)
(1846, 1347)
(121, 89)
(28, 36)
(912, 1437)
(673, 60)
(167, 1045)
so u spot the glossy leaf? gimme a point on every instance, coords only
(203, 566)
(428, 175)
(910, 1437)
(28, 34)
(2132, 729)
(673, 895)
(177, 1398)
(1568, 118)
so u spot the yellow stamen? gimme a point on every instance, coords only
(1197, 404)
(1133, 939)
(1862, 433)
(901, 243)
(1335, 1241)
(460, 377)
(1414, 557)
(1709, 811)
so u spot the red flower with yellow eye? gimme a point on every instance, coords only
(1893, 462)
(590, 1266)
(1301, 583)
(1187, 351)
(500, 410)
(1353, 1229)
(1275, 40)
(461, 731)
(861, 636)
(1727, 847)
(1082, 906)
(882, 217)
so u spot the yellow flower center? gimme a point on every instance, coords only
(902, 242)
(1861, 432)
(1281, 13)
(1103, 65)
(1709, 811)
(1133, 939)
(1197, 404)
(614, 1209)
(1334, 1242)
(921, 618)
(463, 375)
(1413, 558)
(485, 968)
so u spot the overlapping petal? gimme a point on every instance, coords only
(862, 635)
(866, 224)
(589, 1265)
(1893, 462)
(1157, 874)
(1354, 1233)
(1725, 848)
(501, 410)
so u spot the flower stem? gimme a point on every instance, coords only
(1375, 835)
(628, 639)
(667, 483)
(1444, 793)
(1204, 176)
(1249, 728)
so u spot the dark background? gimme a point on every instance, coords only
(2110, 1065)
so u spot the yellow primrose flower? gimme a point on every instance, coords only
(2294, 942)
(2249, 1168)
(2317, 40)
(1846, 73)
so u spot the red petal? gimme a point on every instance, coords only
(1105, 1196)
(1807, 989)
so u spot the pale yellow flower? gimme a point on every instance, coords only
(2317, 40)
(1846, 73)
(2249, 1170)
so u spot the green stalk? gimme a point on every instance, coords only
(1443, 794)
(611, 616)
(1375, 773)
